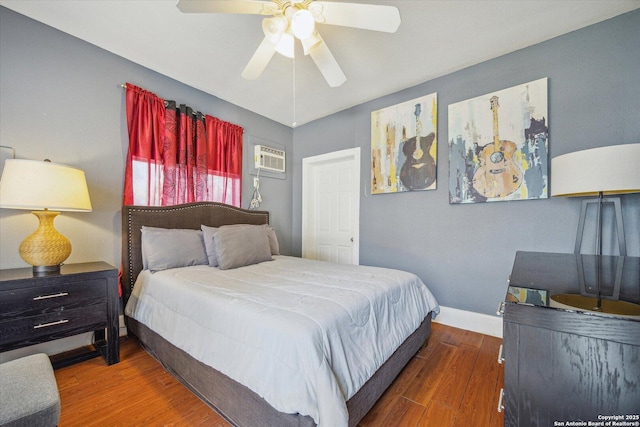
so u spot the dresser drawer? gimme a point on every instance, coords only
(37, 300)
(53, 325)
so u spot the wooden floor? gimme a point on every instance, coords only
(454, 381)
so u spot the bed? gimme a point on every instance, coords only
(192, 361)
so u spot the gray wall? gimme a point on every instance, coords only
(61, 99)
(465, 252)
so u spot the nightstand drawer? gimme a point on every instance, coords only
(53, 325)
(48, 299)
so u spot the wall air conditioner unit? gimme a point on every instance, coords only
(268, 158)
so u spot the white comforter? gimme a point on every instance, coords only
(304, 335)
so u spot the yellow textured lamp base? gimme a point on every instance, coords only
(46, 248)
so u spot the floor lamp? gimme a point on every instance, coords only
(598, 172)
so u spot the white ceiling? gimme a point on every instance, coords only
(209, 51)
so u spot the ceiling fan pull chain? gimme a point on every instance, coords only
(294, 124)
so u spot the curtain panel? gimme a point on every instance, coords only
(177, 155)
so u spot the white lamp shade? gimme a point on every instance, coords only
(302, 24)
(273, 28)
(34, 185)
(613, 169)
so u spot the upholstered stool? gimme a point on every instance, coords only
(29, 393)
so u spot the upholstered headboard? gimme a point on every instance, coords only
(190, 215)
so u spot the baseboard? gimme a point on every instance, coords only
(50, 347)
(471, 321)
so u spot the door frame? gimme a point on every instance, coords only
(308, 198)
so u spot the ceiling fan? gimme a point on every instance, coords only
(291, 19)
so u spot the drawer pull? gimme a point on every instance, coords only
(500, 404)
(500, 357)
(59, 294)
(500, 310)
(46, 325)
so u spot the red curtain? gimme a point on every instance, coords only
(223, 149)
(145, 121)
(192, 157)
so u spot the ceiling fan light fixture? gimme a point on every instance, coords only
(292, 19)
(310, 42)
(285, 45)
(302, 24)
(274, 28)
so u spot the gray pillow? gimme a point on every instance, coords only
(209, 233)
(237, 246)
(164, 248)
(273, 240)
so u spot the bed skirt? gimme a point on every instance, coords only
(240, 406)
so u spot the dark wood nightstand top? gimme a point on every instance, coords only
(26, 273)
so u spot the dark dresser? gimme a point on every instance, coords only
(571, 340)
(81, 298)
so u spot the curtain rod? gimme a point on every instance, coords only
(194, 113)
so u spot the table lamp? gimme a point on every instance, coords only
(45, 188)
(598, 172)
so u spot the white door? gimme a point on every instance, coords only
(331, 206)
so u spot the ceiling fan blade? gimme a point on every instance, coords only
(225, 6)
(327, 64)
(364, 16)
(259, 60)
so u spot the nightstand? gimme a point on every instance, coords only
(81, 298)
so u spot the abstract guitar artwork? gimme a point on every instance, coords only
(404, 146)
(498, 146)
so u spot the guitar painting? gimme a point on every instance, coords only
(404, 146)
(499, 145)
(498, 175)
(419, 169)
